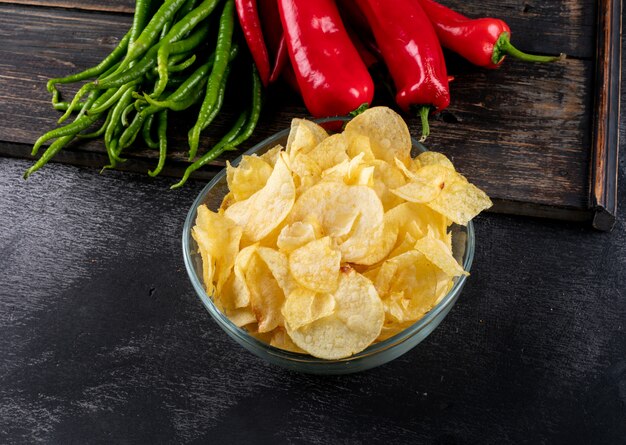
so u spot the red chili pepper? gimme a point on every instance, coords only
(333, 79)
(412, 54)
(251, 26)
(484, 42)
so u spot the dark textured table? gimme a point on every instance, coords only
(102, 339)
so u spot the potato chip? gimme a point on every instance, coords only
(278, 264)
(316, 265)
(266, 296)
(461, 202)
(337, 241)
(266, 209)
(387, 177)
(280, 339)
(389, 136)
(414, 288)
(218, 241)
(272, 155)
(427, 183)
(434, 158)
(241, 292)
(438, 253)
(248, 177)
(333, 204)
(356, 321)
(295, 235)
(330, 152)
(303, 137)
(359, 145)
(304, 306)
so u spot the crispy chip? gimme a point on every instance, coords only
(304, 306)
(434, 158)
(461, 202)
(266, 209)
(280, 339)
(359, 146)
(355, 323)
(438, 253)
(278, 264)
(295, 235)
(266, 296)
(414, 288)
(316, 265)
(304, 137)
(272, 155)
(387, 177)
(337, 241)
(241, 293)
(248, 177)
(330, 152)
(333, 204)
(218, 241)
(388, 134)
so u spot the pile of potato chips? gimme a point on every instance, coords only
(335, 242)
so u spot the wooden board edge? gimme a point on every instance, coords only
(605, 148)
(138, 165)
(98, 7)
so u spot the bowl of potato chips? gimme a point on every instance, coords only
(333, 252)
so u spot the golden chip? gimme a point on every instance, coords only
(438, 253)
(280, 339)
(248, 177)
(316, 265)
(278, 264)
(460, 202)
(266, 209)
(304, 137)
(389, 136)
(334, 204)
(241, 292)
(272, 155)
(266, 296)
(218, 241)
(434, 158)
(295, 235)
(337, 241)
(304, 306)
(355, 323)
(330, 152)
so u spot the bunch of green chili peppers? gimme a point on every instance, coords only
(162, 65)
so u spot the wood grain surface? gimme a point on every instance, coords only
(521, 132)
(102, 339)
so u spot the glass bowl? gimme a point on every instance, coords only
(374, 355)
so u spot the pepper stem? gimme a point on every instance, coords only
(424, 112)
(364, 106)
(504, 47)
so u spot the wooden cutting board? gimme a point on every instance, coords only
(542, 140)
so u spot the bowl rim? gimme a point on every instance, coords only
(255, 343)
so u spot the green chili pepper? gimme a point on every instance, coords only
(217, 150)
(52, 150)
(100, 131)
(164, 52)
(162, 131)
(146, 132)
(240, 132)
(224, 41)
(115, 125)
(214, 111)
(255, 113)
(75, 127)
